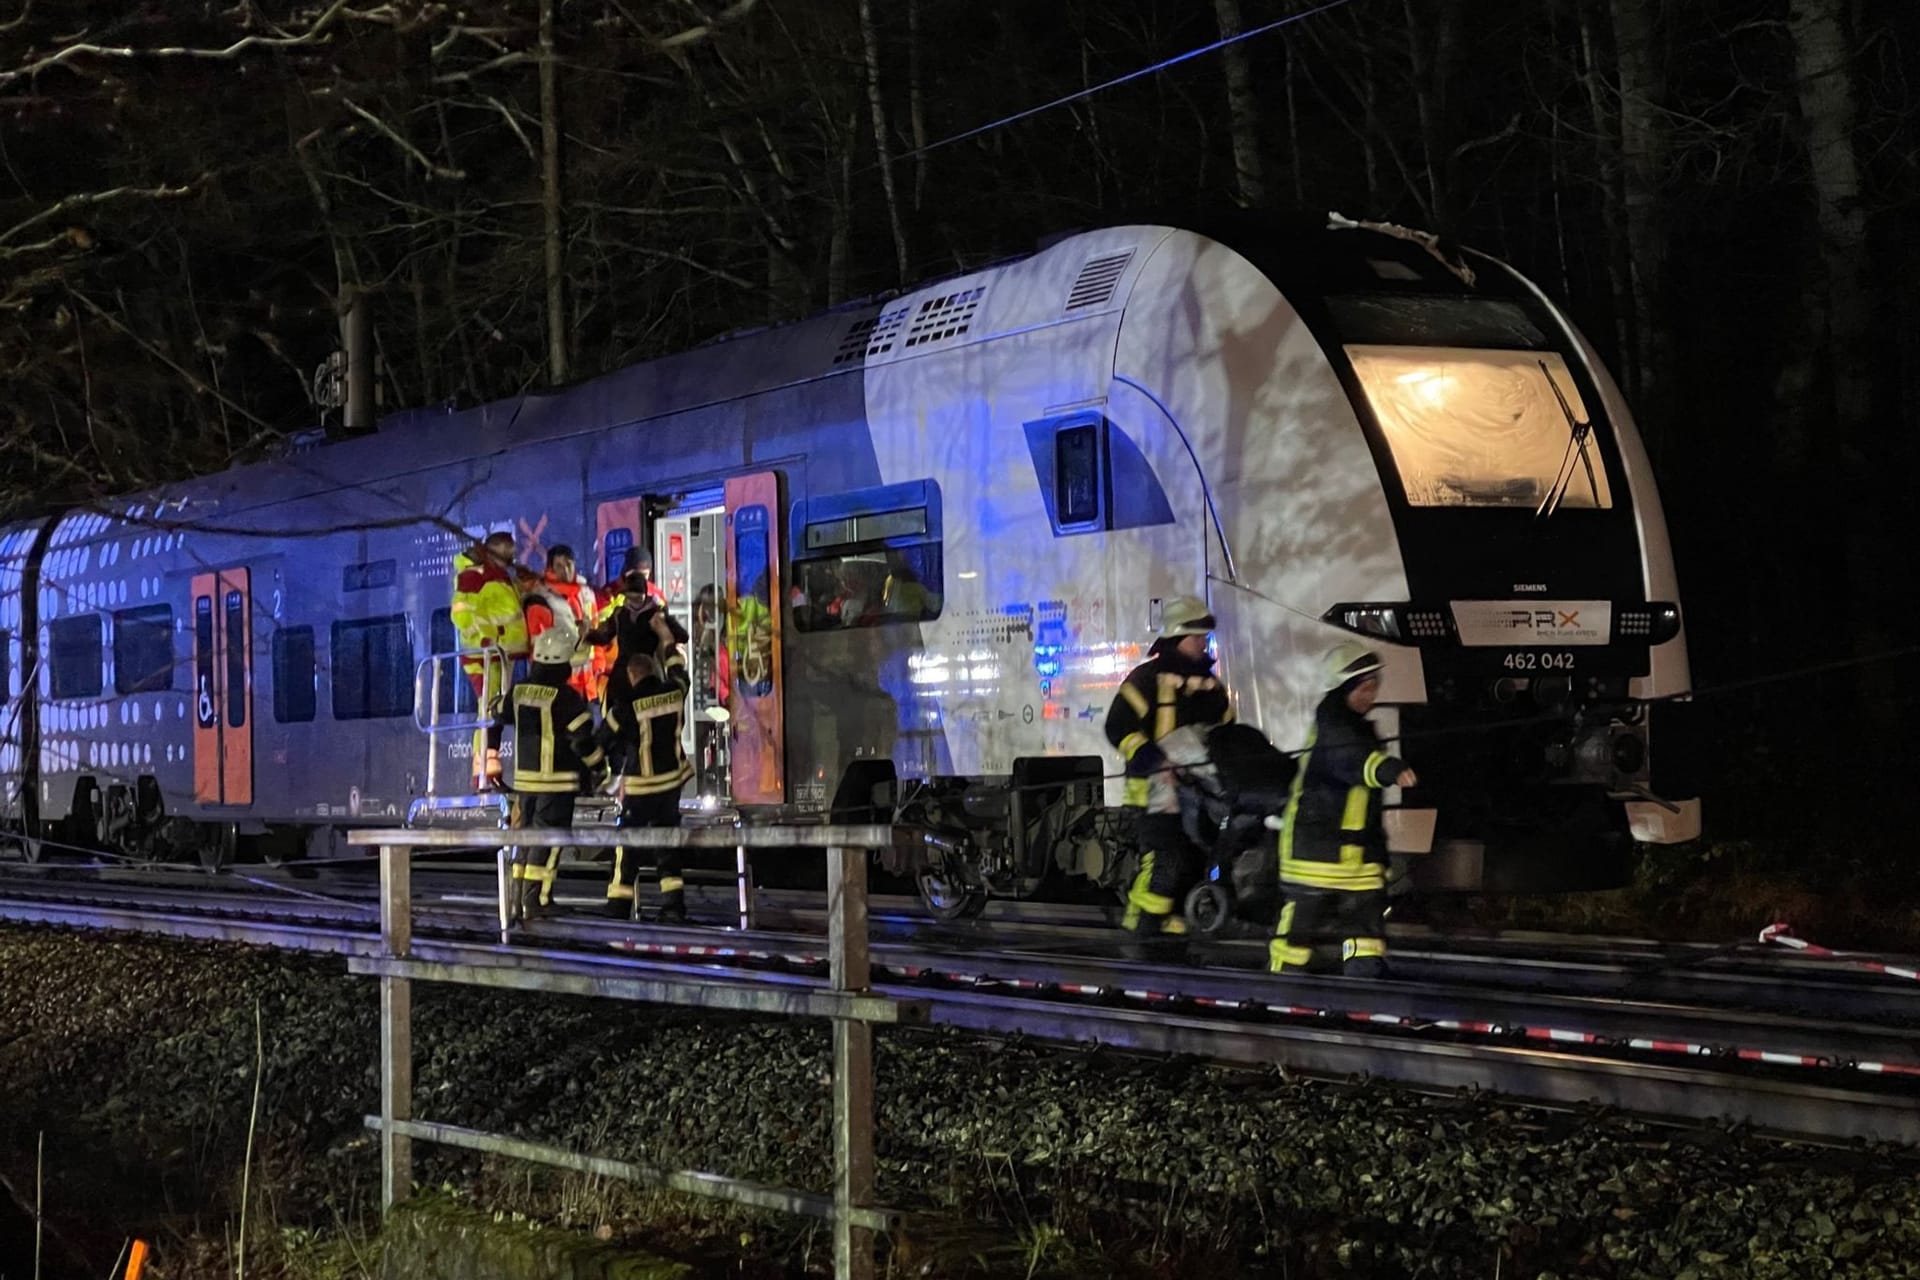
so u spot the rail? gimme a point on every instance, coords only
(848, 1001)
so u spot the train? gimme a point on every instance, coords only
(955, 512)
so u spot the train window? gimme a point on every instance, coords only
(237, 636)
(372, 668)
(143, 649)
(456, 691)
(868, 559)
(1077, 476)
(77, 649)
(1483, 428)
(613, 555)
(294, 672)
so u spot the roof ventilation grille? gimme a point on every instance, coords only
(1097, 279)
(947, 316)
(871, 337)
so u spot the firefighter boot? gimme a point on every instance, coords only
(673, 907)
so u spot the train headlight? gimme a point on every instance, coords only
(1371, 619)
(1402, 623)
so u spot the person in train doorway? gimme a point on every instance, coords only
(556, 755)
(487, 615)
(642, 727)
(1175, 688)
(561, 585)
(1333, 852)
(626, 622)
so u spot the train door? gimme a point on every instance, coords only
(223, 687)
(689, 555)
(685, 533)
(756, 703)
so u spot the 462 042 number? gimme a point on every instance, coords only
(1533, 660)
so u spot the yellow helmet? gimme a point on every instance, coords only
(1184, 616)
(1349, 660)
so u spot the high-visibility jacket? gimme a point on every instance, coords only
(643, 723)
(1164, 693)
(577, 598)
(1331, 835)
(750, 644)
(486, 610)
(554, 744)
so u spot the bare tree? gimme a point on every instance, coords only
(870, 42)
(550, 200)
(1243, 108)
(1644, 149)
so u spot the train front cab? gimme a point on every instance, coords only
(1542, 618)
(1436, 461)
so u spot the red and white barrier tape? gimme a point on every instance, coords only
(1780, 933)
(1553, 1035)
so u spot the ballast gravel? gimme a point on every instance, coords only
(136, 1057)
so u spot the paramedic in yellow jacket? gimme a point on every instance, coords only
(487, 615)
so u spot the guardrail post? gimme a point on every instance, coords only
(852, 1063)
(396, 1025)
(504, 889)
(743, 880)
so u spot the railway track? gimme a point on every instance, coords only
(1788, 1045)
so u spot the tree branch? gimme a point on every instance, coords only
(193, 380)
(75, 52)
(61, 207)
(414, 153)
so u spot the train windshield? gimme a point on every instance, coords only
(1482, 427)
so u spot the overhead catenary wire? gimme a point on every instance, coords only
(1138, 73)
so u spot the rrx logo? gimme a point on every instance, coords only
(1542, 619)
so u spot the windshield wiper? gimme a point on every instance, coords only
(1578, 432)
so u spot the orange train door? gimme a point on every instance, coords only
(223, 687)
(755, 599)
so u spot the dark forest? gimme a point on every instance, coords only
(531, 194)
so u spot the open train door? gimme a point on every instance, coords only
(223, 687)
(756, 699)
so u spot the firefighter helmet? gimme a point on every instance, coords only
(1350, 660)
(1184, 616)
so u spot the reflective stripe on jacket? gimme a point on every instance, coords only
(553, 732)
(1160, 695)
(1330, 836)
(645, 720)
(486, 611)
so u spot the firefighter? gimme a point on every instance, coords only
(1173, 689)
(487, 615)
(561, 584)
(555, 754)
(644, 720)
(1333, 854)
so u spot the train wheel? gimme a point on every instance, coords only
(1209, 907)
(217, 846)
(947, 898)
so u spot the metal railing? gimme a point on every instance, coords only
(496, 673)
(846, 999)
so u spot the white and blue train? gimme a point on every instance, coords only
(936, 529)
